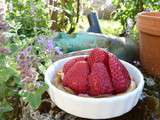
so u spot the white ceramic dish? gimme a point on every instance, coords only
(94, 108)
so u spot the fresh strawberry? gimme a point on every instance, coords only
(99, 80)
(76, 77)
(70, 63)
(97, 55)
(120, 76)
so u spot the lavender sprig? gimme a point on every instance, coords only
(3, 27)
(26, 66)
(49, 46)
(2, 44)
(4, 51)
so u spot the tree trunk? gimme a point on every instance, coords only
(78, 10)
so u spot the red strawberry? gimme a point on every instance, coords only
(97, 55)
(120, 76)
(76, 77)
(70, 63)
(99, 80)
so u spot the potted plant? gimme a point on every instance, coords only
(149, 27)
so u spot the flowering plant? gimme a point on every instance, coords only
(22, 63)
(22, 71)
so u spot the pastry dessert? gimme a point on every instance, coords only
(101, 74)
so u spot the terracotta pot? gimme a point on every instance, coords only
(149, 27)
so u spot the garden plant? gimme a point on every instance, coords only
(28, 30)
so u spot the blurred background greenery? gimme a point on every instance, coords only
(38, 16)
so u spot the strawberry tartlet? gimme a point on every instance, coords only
(101, 74)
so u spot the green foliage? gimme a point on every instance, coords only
(151, 4)
(34, 16)
(111, 27)
(34, 98)
(31, 15)
(67, 15)
(9, 80)
(130, 8)
(27, 19)
(108, 27)
(4, 107)
(134, 35)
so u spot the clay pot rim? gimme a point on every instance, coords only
(149, 15)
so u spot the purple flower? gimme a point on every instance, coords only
(26, 62)
(47, 43)
(29, 49)
(50, 45)
(24, 53)
(4, 51)
(41, 39)
(58, 51)
(149, 10)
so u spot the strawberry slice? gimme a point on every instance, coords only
(76, 77)
(70, 63)
(120, 76)
(99, 80)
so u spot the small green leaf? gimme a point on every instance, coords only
(42, 68)
(13, 48)
(34, 98)
(6, 73)
(2, 91)
(5, 106)
(42, 89)
(2, 60)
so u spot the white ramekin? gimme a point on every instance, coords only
(94, 108)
